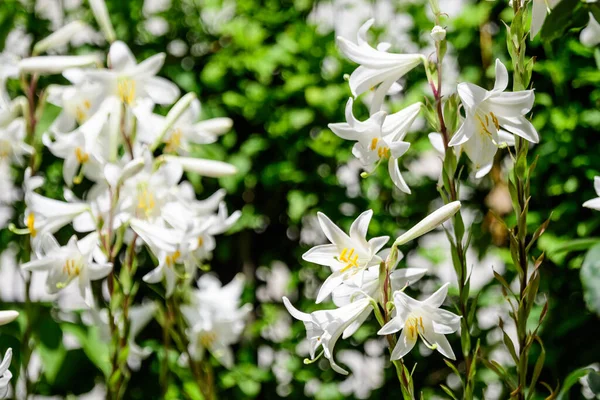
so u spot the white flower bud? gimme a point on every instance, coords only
(438, 33)
(59, 38)
(8, 316)
(209, 168)
(429, 223)
(55, 64)
(101, 14)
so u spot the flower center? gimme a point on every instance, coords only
(146, 201)
(414, 326)
(349, 257)
(72, 267)
(382, 151)
(207, 338)
(31, 225)
(81, 155)
(81, 111)
(126, 90)
(200, 241)
(484, 121)
(171, 259)
(174, 141)
(5, 148)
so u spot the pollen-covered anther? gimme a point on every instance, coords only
(174, 141)
(126, 90)
(72, 267)
(171, 259)
(81, 155)
(414, 327)
(349, 257)
(207, 338)
(31, 225)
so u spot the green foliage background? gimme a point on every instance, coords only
(264, 69)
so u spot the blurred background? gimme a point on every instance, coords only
(273, 67)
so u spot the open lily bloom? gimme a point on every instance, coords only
(590, 35)
(348, 256)
(218, 323)
(377, 67)
(5, 374)
(594, 203)
(379, 138)
(78, 103)
(324, 327)
(12, 145)
(481, 150)
(127, 80)
(185, 130)
(422, 319)
(488, 111)
(73, 261)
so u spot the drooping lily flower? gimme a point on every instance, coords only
(487, 112)
(377, 67)
(422, 319)
(590, 35)
(77, 260)
(379, 138)
(594, 204)
(347, 255)
(5, 374)
(324, 327)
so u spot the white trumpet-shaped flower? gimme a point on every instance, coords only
(590, 35)
(324, 327)
(378, 68)
(594, 203)
(12, 145)
(487, 112)
(5, 374)
(127, 80)
(347, 255)
(539, 11)
(379, 138)
(77, 260)
(422, 319)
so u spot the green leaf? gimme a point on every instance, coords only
(590, 279)
(572, 379)
(565, 15)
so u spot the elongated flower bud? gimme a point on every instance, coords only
(8, 316)
(429, 223)
(55, 64)
(59, 38)
(101, 15)
(210, 168)
(173, 115)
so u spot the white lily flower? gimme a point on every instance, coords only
(165, 270)
(324, 327)
(12, 145)
(78, 104)
(139, 317)
(67, 263)
(421, 318)
(539, 11)
(377, 67)
(84, 151)
(594, 204)
(590, 35)
(8, 316)
(218, 323)
(177, 135)
(347, 255)
(488, 111)
(55, 64)
(59, 38)
(379, 138)
(127, 80)
(5, 374)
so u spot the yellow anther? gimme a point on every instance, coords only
(483, 125)
(348, 257)
(413, 325)
(207, 338)
(80, 115)
(146, 201)
(31, 225)
(495, 120)
(126, 90)
(200, 241)
(174, 141)
(171, 259)
(81, 155)
(383, 152)
(374, 142)
(72, 267)
(87, 104)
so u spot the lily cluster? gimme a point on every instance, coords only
(491, 119)
(363, 275)
(134, 164)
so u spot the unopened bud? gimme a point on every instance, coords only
(438, 33)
